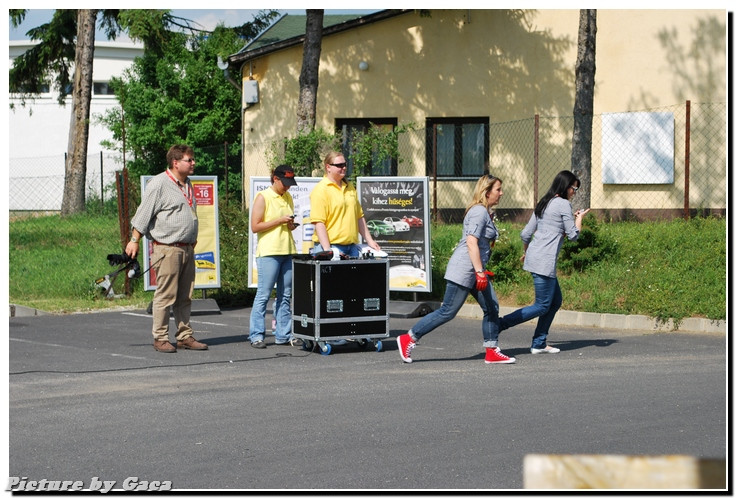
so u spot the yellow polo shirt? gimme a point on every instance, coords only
(276, 240)
(338, 208)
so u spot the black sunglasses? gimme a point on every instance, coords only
(339, 165)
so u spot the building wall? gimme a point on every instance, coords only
(39, 135)
(506, 65)
(42, 127)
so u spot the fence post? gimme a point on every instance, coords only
(536, 161)
(102, 185)
(687, 160)
(434, 172)
(227, 180)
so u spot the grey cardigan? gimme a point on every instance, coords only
(545, 236)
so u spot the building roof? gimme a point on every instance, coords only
(289, 30)
(290, 26)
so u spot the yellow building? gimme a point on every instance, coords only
(495, 89)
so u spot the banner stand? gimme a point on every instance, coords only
(411, 309)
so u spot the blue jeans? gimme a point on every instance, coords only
(547, 301)
(272, 270)
(351, 250)
(455, 296)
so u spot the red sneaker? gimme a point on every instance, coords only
(494, 356)
(406, 345)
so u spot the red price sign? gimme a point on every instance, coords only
(204, 194)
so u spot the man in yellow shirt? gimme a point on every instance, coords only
(336, 213)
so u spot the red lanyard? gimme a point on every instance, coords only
(187, 194)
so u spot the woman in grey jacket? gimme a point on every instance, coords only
(551, 221)
(465, 275)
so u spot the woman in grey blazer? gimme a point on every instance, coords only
(465, 275)
(543, 236)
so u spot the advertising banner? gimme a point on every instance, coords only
(207, 251)
(396, 210)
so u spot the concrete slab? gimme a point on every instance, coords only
(21, 311)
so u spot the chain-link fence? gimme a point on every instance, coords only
(660, 163)
(653, 164)
(37, 184)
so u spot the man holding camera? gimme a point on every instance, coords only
(167, 215)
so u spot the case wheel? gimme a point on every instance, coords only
(325, 348)
(379, 345)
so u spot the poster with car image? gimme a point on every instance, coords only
(396, 211)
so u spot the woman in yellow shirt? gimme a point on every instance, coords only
(272, 219)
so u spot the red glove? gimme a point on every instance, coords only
(481, 281)
(490, 274)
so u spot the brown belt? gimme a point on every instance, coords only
(180, 245)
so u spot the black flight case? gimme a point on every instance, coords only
(340, 300)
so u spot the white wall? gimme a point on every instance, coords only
(38, 133)
(42, 127)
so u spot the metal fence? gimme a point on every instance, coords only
(654, 164)
(660, 163)
(685, 176)
(37, 184)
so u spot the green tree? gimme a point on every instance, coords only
(70, 36)
(176, 96)
(176, 93)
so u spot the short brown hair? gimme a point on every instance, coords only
(178, 151)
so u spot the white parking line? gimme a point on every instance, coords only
(193, 321)
(70, 346)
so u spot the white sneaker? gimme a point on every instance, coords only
(547, 349)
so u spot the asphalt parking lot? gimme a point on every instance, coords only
(89, 398)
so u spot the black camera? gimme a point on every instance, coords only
(128, 262)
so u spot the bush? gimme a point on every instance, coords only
(444, 239)
(666, 270)
(590, 248)
(304, 152)
(504, 263)
(505, 257)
